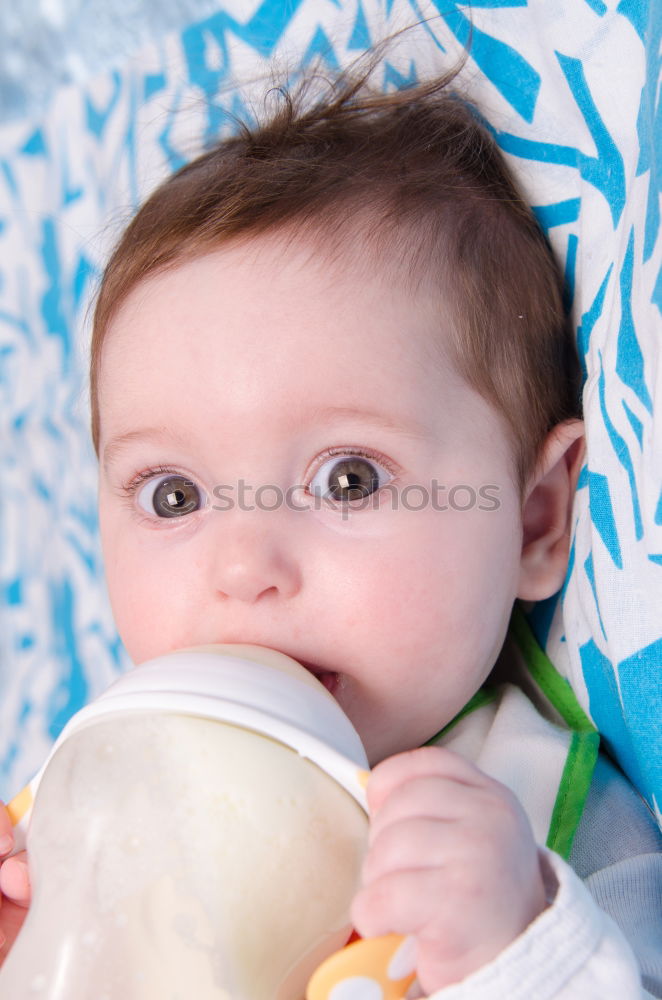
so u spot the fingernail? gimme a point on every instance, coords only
(6, 843)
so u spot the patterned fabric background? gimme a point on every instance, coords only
(571, 88)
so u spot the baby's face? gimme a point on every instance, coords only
(234, 392)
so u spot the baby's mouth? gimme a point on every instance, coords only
(329, 678)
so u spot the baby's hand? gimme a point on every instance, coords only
(14, 887)
(451, 860)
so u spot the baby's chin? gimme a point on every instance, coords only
(381, 742)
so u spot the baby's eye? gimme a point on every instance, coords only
(170, 496)
(351, 477)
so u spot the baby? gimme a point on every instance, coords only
(336, 404)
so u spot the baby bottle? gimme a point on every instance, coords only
(197, 832)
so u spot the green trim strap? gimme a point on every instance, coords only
(556, 688)
(584, 744)
(573, 790)
(484, 696)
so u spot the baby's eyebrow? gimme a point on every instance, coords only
(404, 425)
(113, 449)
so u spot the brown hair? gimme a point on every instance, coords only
(412, 173)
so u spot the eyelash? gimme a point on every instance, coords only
(373, 456)
(128, 490)
(131, 488)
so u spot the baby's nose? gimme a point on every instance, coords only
(251, 564)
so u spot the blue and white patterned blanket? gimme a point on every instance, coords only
(572, 90)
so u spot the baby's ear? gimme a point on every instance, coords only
(547, 512)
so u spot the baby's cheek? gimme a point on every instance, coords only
(141, 611)
(459, 571)
(400, 611)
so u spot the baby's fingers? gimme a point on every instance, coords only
(401, 902)
(424, 762)
(15, 879)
